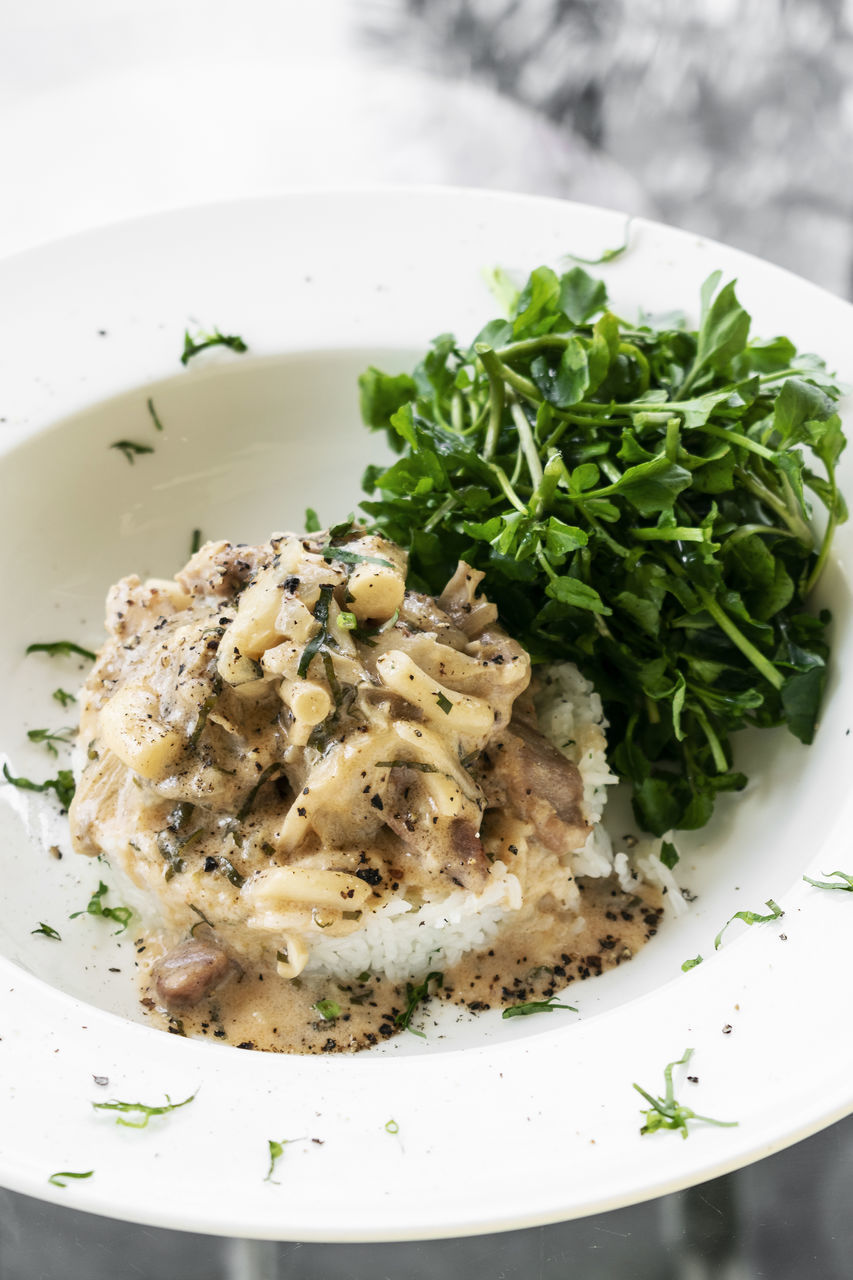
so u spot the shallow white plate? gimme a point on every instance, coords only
(499, 1124)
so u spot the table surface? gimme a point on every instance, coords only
(110, 110)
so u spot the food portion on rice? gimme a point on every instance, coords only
(319, 788)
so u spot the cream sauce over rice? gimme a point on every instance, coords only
(320, 787)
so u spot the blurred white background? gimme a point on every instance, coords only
(730, 117)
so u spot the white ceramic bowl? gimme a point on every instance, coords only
(500, 1124)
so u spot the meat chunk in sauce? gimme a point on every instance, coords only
(190, 972)
(522, 768)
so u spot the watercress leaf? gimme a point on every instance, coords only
(769, 356)
(562, 538)
(643, 611)
(569, 382)
(723, 331)
(579, 594)
(603, 348)
(581, 296)
(802, 694)
(382, 394)
(797, 404)
(652, 486)
(668, 854)
(538, 304)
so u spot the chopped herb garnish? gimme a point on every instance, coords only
(201, 921)
(95, 907)
(276, 1152)
(352, 557)
(536, 1006)
(312, 521)
(131, 449)
(62, 784)
(230, 871)
(443, 703)
(365, 634)
(55, 1178)
(666, 1113)
(195, 541)
(62, 648)
(327, 1009)
(608, 255)
(205, 709)
(391, 1126)
(321, 635)
(47, 930)
(63, 698)
(172, 847)
(414, 996)
(140, 1109)
(844, 882)
(202, 341)
(407, 764)
(691, 964)
(668, 855)
(638, 495)
(47, 737)
(153, 413)
(270, 772)
(751, 917)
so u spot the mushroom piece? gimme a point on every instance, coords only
(190, 971)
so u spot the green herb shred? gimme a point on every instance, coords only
(55, 1179)
(47, 737)
(152, 413)
(270, 772)
(61, 648)
(608, 255)
(638, 497)
(419, 765)
(843, 881)
(320, 637)
(195, 541)
(666, 1113)
(414, 996)
(668, 854)
(328, 1009)
(63, 697)
(536, 1006)
(691, 964)
(192, 346)
(391, 1126)
(352, 557)
(96, 907)
(230, 871)
(750, 917)
(47, 930)
(276, 1152)
(62, 785)
(131, 449)
(140, 1109)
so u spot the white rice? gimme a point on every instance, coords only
(403, 943)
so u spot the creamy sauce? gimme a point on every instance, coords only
(301, 768)
(262, 1011)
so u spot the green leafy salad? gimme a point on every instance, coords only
(640, 497)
